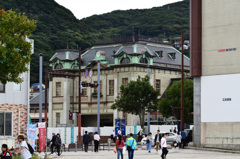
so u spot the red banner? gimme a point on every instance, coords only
(42, 136)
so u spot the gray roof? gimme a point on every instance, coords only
(65, 54)
(35, 99)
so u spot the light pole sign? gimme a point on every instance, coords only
(90, 74)
(86, 74)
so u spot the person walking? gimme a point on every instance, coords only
(58, 143)
(140, 135)
(96, 138)
(157, 140)
(5, 152)
(149, 142)
(178, 139)
(183, 134)
(22, 148)
(53, 142)
(113, 136)
(86, 140)
(119, 145)
(131, 146)
(164, 146)
(175, 130)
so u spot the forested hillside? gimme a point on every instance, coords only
(57, 27)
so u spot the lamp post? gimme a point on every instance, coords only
(79, 97)
(182, 82)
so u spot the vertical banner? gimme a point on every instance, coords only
(31, 135)
(135, 129)
(65, 135)
(123, 127)
(72, 134)
(117, 125)
(42, 136)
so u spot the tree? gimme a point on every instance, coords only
(137, 98)
(173, 99)
(15, 51)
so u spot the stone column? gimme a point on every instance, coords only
(50, 114)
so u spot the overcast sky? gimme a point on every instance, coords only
(86, 8)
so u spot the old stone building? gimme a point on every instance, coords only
(120, 63)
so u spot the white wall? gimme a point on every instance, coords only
(214, 90)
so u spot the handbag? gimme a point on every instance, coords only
(148, 140)
(129, 148)
(115, 149)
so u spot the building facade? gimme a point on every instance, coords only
(119, 64)
(215, 68)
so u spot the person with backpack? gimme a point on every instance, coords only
(22, 148)
(58, 143)
(131, 146)
(86, 140)
(5, 152)
(119, 145)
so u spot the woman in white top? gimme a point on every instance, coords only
(149, 142)
(96, 138)
(178, 139)
(22, 148)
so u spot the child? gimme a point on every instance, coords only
(5, 152)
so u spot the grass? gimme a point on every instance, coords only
(19, 157)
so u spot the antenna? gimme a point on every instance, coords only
(67, 44)
(133, 36)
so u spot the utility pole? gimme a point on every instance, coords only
(40, 87)
(148, 117)
(98, 102)
(182, 82)
(46, 89)
(79, 97)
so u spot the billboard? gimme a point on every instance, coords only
(220, 98)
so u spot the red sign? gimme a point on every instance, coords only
(42, 136)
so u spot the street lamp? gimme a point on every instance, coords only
(182, 82)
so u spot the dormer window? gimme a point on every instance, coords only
(125, 60)
(58, 66)
(172, 55)
(143, 60)
(159, 53)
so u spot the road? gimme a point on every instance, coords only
(143, 154)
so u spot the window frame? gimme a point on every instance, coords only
(156, 84)
(124, 83)
(57, 118)
(95, 90)
(111, 87)
(58, 90)
(123, 60)
(3, 91)
(5, 123)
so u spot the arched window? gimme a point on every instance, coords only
(58, 66)
(143, 60)
(125, 60)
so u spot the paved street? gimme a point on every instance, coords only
(141, 154)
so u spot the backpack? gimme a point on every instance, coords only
(30, 149)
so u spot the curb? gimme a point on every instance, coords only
(214, 150)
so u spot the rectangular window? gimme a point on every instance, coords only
(158, 84)
(57, 119)
(125, 82)
(111, 87)
(2, 88)
(58, 88)
(96, 88)
(6, 123)
(84, 92)
(17, 87)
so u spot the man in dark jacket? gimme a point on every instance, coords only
(53, 142)
(5, 152)
(86, 140)
(157, 140)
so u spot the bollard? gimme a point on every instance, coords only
(76, 146)
(92, 145)
(109, 143)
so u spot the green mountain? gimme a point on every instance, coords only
(58, 28)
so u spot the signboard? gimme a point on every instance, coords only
(42, 136)
(120, 124)
(31, 135)
(72, 134)
(90, 74)
(74, 116)
(65, 137)
(86, 74)
(135, 129)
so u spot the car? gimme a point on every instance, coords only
(171, 138)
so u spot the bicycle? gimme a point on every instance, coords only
(61, 149)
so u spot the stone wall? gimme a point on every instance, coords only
(19, 116)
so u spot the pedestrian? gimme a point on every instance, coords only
(119, 145)
(53, 142)
(96, 141)
(22, 148)
(131, 146)
(183, 134)
(140, 134)
(58, 143)
(149, 142)
(113, 136)
(170, 130)
(175, 130)
(86, 140)
(164, 146)
(157, 140)
(5, 152)
(178, 139)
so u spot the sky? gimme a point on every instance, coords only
(86, 8)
